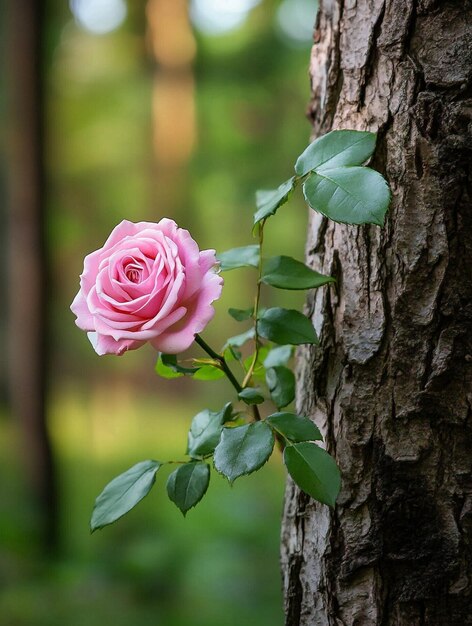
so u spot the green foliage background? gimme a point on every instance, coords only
(219, 566)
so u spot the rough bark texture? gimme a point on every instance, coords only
(391, 386)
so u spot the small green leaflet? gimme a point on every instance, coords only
(284, 272)
(278, 356)
(246, 256)
(350, 195)
(286, 326)
(281, 383)
(164, 370)
(268, 201)
(336, 149)
(123, 493)
(241, 314)
(168, 367)
(250, 395)
(314, 471)
(243, 449)
(170, 360)
(205, 430)
(294, 427)
(187, 485)
(238, 340)
(208, 372)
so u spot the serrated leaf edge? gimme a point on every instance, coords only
(331, 503)
(184, 513)
(231, 480)
(322, 174)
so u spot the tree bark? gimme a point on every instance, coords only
(391, 385)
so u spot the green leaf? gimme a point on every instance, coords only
(281, 383)
(205, 430)
(243, 449)
(278, 356)
(314, 471)
(250, 395)
(294, 427)
(351, 195)
(168, 367)
(187, 485)
(123, 493)
(227, 413)
(241, 314)
(164, 371)
(170, 360)
(208, 372)
(268, 201)
(238, 340)
(286, 326)
(338, 148)
(246, 256)
(284, 272)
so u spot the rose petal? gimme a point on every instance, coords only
(180, 336)
(107, 345)
(207, 260)
(85, 320)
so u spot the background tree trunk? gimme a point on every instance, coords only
(27, 323)
(391, 387)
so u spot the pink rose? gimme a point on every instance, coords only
(149, 282)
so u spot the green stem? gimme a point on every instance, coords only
(221, 360)
(255, 314)
(224, 367)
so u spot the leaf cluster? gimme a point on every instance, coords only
(337, 184)
(238, 450)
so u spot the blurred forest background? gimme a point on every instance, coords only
(137, 110)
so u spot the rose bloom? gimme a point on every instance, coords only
(149, 282)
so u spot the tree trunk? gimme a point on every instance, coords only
(28, 345)
(391, 385)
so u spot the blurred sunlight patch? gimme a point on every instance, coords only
(295, 20)
(99, 16)
(215, 17)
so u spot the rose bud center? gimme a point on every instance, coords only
(133, 272)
